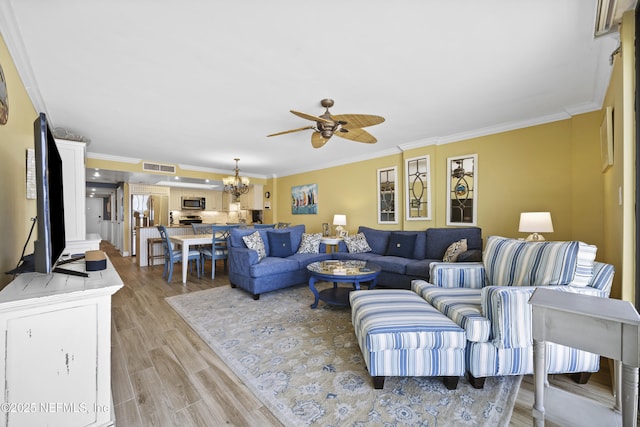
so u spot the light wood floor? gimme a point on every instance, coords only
(163, 374)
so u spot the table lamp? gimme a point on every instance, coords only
(535, 222)
(339, 220)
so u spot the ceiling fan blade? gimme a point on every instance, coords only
(358, 135)
(312, 118)
(357, 120)
(290, 131)
(317, 140)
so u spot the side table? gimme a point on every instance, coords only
(331, 243)
(602, 326)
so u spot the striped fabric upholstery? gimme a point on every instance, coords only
(602, 277)
(457, 274)
(510, 314)
(584, 265)
(400, 334)
(485, 360)
(463, 307)
(510, 262)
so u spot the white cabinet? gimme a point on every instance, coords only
(175, 199)
(227, 199)
(214, 200)
(253, 199)
(73, 181)
(56, 369)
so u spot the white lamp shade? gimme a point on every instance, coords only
(339, 219)
(535, 222)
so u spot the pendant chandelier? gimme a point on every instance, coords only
(236, 185)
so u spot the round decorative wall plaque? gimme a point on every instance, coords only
(4, 100)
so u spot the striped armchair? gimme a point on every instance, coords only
(489, 300)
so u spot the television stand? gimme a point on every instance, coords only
(70, 272)
(37, 313)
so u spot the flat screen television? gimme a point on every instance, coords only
(50, 198)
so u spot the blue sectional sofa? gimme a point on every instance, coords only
(429, 246)
(280, 270)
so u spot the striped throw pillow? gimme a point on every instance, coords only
(584, 266)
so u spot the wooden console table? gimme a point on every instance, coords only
(602, 326)
(56, 348)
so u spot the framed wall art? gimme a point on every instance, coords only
(387, 194)
(304, 199)
(606, 138)
(418, 188)
(462, 190)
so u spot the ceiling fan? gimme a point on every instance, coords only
(348, 126)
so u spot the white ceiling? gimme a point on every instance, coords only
(198, 83)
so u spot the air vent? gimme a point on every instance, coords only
(157, 167)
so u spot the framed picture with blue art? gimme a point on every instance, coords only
(304, 199)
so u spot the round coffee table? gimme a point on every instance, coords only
(348, 271)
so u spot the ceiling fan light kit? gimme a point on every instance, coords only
(347, 126)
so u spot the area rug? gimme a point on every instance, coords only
(305, 365)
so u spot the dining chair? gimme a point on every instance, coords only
(264, 225)
(201, 228)
(218, 248)
(171, 256)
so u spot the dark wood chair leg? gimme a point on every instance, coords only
(581, 377)
(451, 383)
(475, 382)
(378, 383)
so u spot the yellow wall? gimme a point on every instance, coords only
(552, 167)
(348, 189)
(15, 137)
(619, 180)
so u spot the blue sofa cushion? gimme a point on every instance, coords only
(280, 244)
(272, 265)
(401, 244)
(439, 239)
(378, 240)
(393, 264)
(420, 268)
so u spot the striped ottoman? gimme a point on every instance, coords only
(402, 335)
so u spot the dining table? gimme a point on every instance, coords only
(186, 241)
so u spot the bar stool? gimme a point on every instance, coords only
(151, 255)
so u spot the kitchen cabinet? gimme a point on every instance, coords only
(253, 199)
(227, 199)
(214, 200)
(175, 199)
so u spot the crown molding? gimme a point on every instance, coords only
(10, 31)
(342, 161)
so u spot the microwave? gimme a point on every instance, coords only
(193, 203)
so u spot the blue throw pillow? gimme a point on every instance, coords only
(279, 244)
(401, 244)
